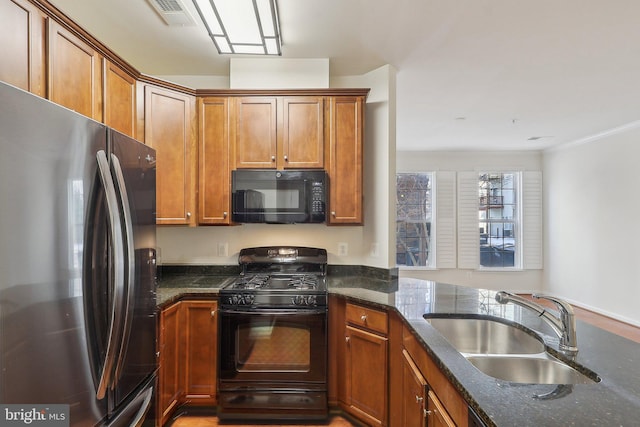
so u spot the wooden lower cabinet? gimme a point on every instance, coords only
(169, 378)
(436, 413)
(188, 351)
(201, 352)
(366, 375)
(444, 404)
(358, 362)
(414, 394)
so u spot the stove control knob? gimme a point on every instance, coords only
(308, 300)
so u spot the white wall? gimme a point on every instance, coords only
(458, 161)
(592, 256)
(199, 245)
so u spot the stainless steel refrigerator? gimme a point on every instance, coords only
(77, 265)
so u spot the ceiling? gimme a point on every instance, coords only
(474, 74)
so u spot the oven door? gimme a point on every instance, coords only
(273, 348)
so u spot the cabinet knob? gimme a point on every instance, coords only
(286, 158)
(273, 158)
(426, 413)
(188, 214)
(346, 339)
(363, 317)
(333, 213)
(224, 214)
(213, 314)
(419, 399)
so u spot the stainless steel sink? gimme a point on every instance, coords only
(483, 336)
(507, 352)
(532, 370)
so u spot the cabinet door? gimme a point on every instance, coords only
(201, 351)
(303, 133)
(75, 73)
(414, 390)
(214, 199)
(345, 160)
(22, 38)
(366, 375)
(169, 127)
(255, 122)
(437, 415)
(119, 99)
(169, 361)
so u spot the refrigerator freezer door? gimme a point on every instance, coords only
(48, 171)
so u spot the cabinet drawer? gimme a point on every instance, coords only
(369, 318)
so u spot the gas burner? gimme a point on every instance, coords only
(303, 282)
(257, 281)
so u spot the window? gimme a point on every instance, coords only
(414, 219)
(499, 219)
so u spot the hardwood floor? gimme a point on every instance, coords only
(187, 420)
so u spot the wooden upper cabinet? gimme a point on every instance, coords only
(22, 39)
(119, 99)
(345, 160)
(255, 122)
(169, 127)
(303, 133)
(75, 73)
(214, 202)
(279, 132)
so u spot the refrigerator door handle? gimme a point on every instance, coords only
(115, 315)
(128, 284)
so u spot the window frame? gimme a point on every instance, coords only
(517, 220)
(431, 259)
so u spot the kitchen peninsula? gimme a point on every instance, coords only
(614, 400)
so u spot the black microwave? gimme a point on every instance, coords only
(278, 197)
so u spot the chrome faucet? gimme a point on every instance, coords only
(564, 325)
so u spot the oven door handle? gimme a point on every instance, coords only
(275, 311)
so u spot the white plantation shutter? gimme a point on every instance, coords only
(532, 254)
(468, 231)
(445, 219)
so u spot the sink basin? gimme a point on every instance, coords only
(531, 370)
(483, 336)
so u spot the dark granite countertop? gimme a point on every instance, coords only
(614, 401)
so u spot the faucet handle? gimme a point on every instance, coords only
(562, 305)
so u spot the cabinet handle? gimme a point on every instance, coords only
(273, 158)
(419, 399)
(363, 317)
(346, 339)
(426, 413)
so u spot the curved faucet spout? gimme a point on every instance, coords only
(563, 325)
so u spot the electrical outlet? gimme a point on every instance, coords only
(374, 252)
(223, 249)
(343, 249)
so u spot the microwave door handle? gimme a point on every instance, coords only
(116, 246)
(128, 284)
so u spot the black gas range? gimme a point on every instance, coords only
(273, 336)
(278, 278)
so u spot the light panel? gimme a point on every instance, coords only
(242, 26)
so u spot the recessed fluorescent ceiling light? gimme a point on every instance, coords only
(242, 26)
